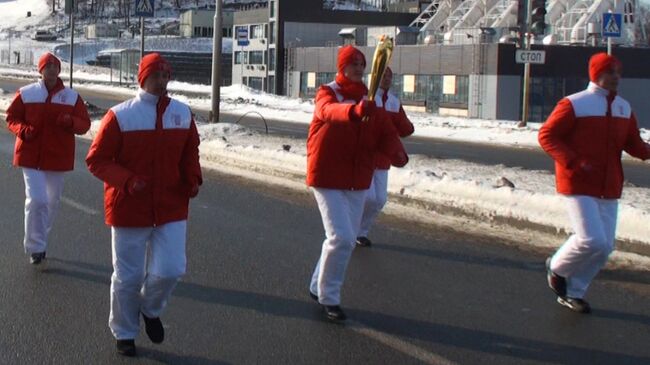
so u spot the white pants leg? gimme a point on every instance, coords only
(341, 214)
(376, 198)
(588, 248)
(134, 289)
(42, 196)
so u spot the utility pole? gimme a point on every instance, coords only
(216, 63)
(71, 42)
(141, 37)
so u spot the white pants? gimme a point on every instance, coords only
(147, 264)
(341, 214)
(376, 198)
(588, 248)
(42, 196)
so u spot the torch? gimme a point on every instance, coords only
(380, 61)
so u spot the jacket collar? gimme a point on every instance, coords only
(594, 88)
(147, 97)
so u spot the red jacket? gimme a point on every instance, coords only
(154, 138)
(340, 149)
(403, 126)
(585, 135)
(52, 147)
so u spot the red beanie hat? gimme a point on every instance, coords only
(151, 63)
(346, 56)
(602, 62)
(46, 58)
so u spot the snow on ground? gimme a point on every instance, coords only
(445, 184)
(14, 12)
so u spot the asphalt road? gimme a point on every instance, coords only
(636, 172)
(421, 294)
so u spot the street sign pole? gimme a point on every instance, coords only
(524, 101)
(612, 27)
(143, 8)
(216, 63)
(609, 46)
(141, 37)
(71, 43)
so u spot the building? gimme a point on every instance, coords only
(195, 23)
(102, 30)
(482, 80)
(267, 34)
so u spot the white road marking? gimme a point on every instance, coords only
(398, 344)
(79, 206)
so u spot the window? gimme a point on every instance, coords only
(197, 31)
(257, 31)
(409, 84)
(270, 84)
(256, 83)
(311, 81)
(225, 32)
(204, 31)
(271, 59)
(272, 33)
(455, 90)
(241, 57)
(256, 57)
(271, 9)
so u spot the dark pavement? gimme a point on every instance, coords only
(421, 294)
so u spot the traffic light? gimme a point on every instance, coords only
(537, 15)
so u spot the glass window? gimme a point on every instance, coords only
(257, 31)
(256, 83)
(270, 84)
(271, 9)
(197, 31)
(241, 57)
(271, 59)
(306, 80)
(272, 33)
(256, 57)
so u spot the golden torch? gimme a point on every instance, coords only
(380, 61)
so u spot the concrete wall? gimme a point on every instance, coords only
(508, 96)
(202, 18)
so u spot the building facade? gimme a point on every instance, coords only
(195, 23)
(481, 80)
(262, 56)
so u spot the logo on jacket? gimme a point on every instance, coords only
(177, 119)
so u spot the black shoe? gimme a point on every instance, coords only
(154, 329)
(575, 304)
(125, 347)
(556, 282)
(363, 242)
(334, 313)
(36, 258)
(313, 296)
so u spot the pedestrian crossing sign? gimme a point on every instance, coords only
(144, 8)
(612, 24)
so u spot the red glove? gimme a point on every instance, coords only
(365, 108)
(136, 184)
(400, 159)
(27, 133)
(193, 190)
(64, 121)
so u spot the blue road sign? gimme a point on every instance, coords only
(144, 8)
(612, 24)
(242, 36)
